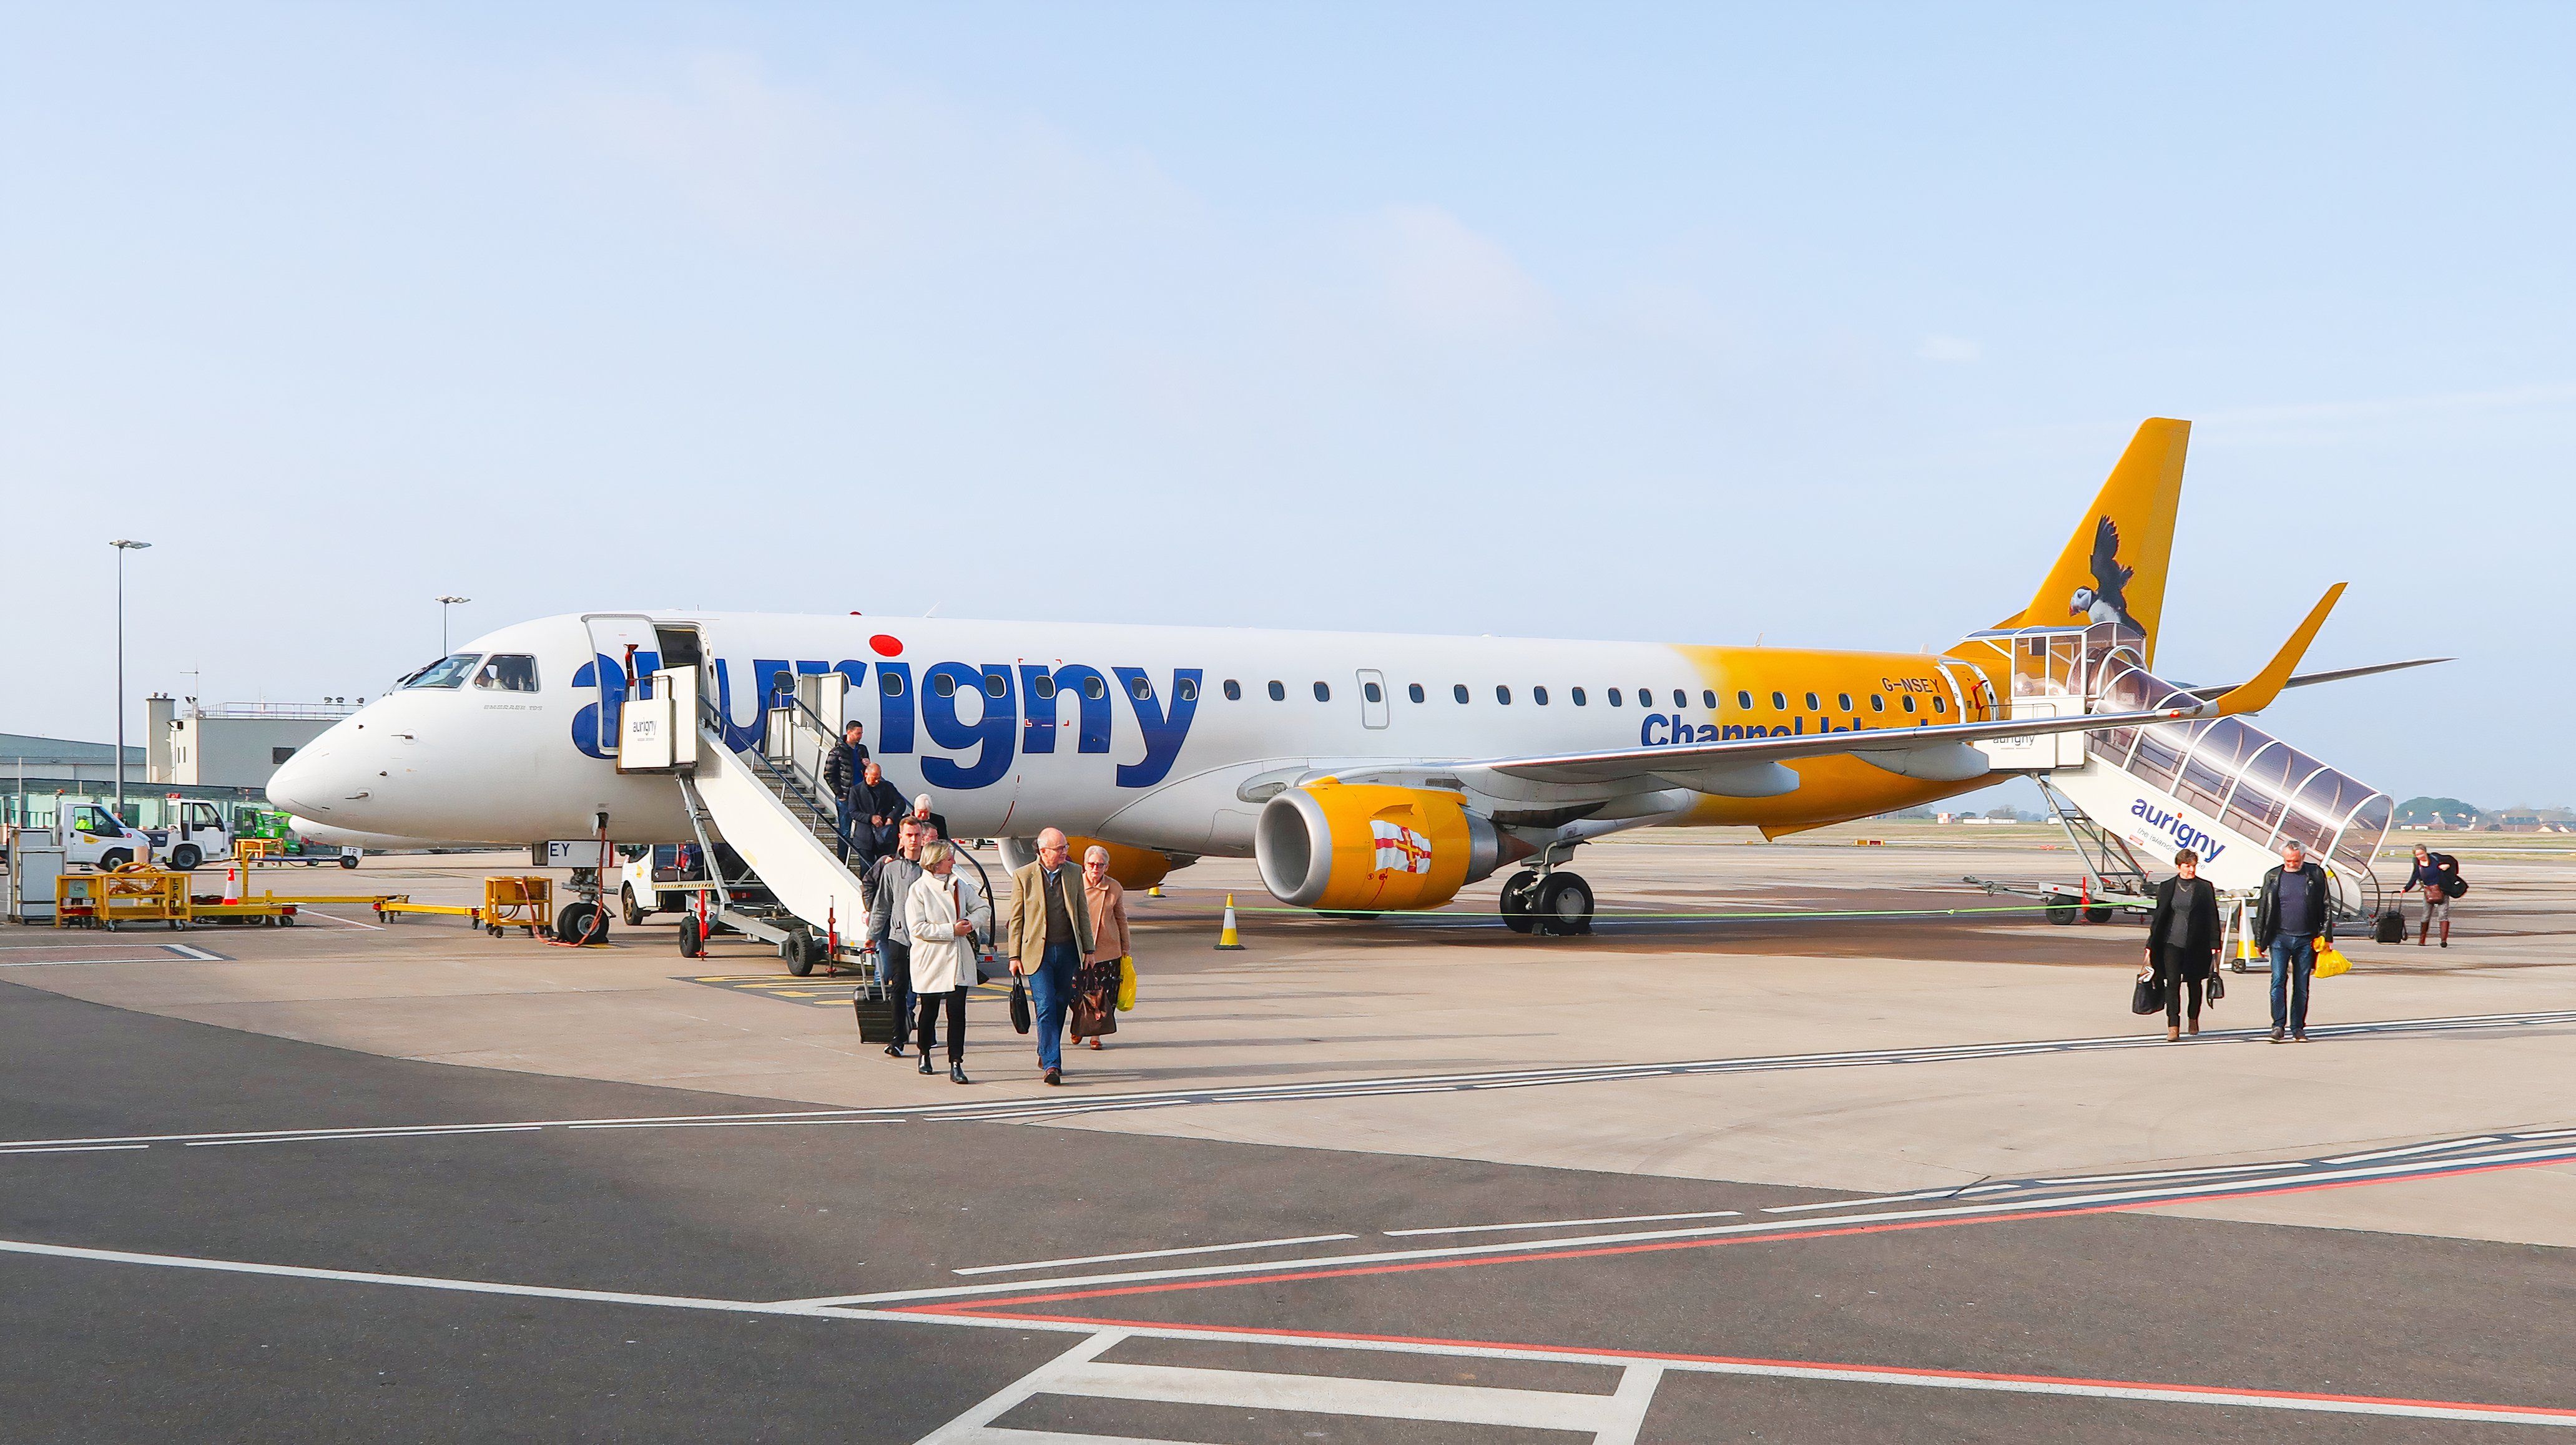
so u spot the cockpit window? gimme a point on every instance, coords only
(447, 672)
(509, 672)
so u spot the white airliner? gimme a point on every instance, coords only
(1366, 772)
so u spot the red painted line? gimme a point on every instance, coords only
(1825, 1366)
(1665, 1245)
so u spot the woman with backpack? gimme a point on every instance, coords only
(2438, 874)
(2183, 939)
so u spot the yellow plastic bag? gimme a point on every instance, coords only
(1126, 982)
(2330, 961)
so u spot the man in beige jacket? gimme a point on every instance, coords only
(1050, 935)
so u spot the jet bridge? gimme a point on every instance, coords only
(2222, 787)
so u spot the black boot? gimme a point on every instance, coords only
(957, 1074)
(925, 1062)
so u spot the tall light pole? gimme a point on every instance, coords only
(122, 547)
(443, 604)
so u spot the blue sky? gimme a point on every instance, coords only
(1813, 324)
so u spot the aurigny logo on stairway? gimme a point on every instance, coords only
(2166, 821)
(1018, 715)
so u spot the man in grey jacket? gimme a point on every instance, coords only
(888, 882)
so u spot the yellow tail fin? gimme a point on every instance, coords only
(2114, 565)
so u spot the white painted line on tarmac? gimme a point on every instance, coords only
(75, 1149)
(1154, 1253)
(2415, 1149)
(2140, 1176)
(1564, 1223)
(1026, 1108)
(2140, 1198)
(197, 954)
(373, 1134)
(350, 922)
(1101, 1340)
(710, 1123)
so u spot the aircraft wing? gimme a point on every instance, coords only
(1749, 767)
(2310, 679)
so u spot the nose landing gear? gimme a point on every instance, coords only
(1547, 900)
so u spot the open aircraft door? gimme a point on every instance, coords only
(623, 649)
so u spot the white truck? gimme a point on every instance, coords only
(88, 833)
(199, 836)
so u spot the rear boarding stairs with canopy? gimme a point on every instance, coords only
(2222, 787)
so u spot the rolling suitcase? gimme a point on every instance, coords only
(2391, 927)
(879, 1021)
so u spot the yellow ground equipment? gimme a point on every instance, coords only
(136, 893)
(508, 902)
(254, 850)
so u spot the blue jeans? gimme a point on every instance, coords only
(1050, 994)
(2293, 959)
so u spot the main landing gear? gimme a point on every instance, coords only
(1547, 900)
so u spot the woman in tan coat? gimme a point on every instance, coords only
(1097, 984)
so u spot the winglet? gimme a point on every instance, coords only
(2257, 694)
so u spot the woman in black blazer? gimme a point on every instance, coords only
(2183, 940)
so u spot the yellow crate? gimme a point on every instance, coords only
(251, 850)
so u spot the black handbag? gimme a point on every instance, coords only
(2216, 988)
(2148, 997)
(1020, 1020)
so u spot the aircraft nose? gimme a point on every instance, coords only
(322, 780)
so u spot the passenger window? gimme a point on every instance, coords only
(1744, 700)
(1459, 692)
(1680, 698)
(1186, 689)
(1233, 690)
(508, 672)
(1708, 698)
(889, 683)
(1813, 705)
(1578, 697)
(997, 684)
(1140, 687)
(1844, 700)
(448, 672)
(1278, 691)
(1940, 704)
(1093, 688)
(1414, 691)
(1042, 686)
(1323, 693)
(1779, 702)
(1614, 698)
(1909, 702)
(1878, 702)
(1370, 691)
(1502, 694)
(944, 685)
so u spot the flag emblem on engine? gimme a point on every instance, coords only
(1399, 849)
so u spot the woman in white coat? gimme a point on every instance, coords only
(946, 914)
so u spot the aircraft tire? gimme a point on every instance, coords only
(581, 923)
(185, 857)
(1516, 901)
(626, 899)
(693, 944)
(2062, 909)
(1564, 906)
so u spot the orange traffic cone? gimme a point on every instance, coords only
(1226, 938)
(232, 884)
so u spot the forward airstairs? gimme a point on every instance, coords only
(2127, 798)
(769, 805)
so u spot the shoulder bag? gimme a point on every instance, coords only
(2148, 997)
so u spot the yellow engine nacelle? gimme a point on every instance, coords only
(1132, 867)
(1365, 848)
